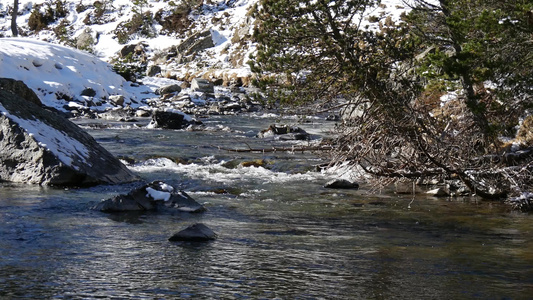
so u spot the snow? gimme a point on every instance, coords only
(54, 70)
(157, 195)
(57, 70)
(222, 18)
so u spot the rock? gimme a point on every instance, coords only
(126, 50)
(170, 120)
(284, 132)
(341, 184)
(438, 192)
(153, 196)
(85, 40)
(202, 85)
(167, 89)
(196, 43)
(142, 113)
(117, 113)
(153, 70)
(89, 92)
(194, 233)
(256, 163)
(19, 88)
(42, 147)
(233, 106)
(117, 100)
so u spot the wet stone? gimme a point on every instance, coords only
(194, 233)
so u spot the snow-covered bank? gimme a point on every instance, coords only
(104, 27)
(59, 74)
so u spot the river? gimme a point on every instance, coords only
(281, 235)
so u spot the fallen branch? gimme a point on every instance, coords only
(279, 149)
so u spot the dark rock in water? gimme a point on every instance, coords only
(168, 120)
(19, 88)
(341, 184)
(171, 120)
(285, 132)
(122, 203)
(42, 147)
(153, 196)
(194, 233)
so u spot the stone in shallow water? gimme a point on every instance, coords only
(153, 196)
(341, 184)
(194, 233)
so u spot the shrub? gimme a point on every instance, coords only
(141, 24)
(176, 22)
(129, 67)
(53, 11)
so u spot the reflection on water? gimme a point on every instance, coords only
(280, 236)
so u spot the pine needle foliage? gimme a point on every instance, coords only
(392, 83)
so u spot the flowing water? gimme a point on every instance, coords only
(281, 235)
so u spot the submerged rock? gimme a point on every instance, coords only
(152, 196)
(341, 184)
(194, 233)
(41, 147)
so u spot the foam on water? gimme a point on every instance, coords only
(215, 171)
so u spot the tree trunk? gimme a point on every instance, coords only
(14, 29)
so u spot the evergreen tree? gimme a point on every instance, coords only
(393, 80)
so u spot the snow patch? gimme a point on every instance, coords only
(157, 195)
(63, 146)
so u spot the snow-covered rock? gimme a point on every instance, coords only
(152, 196)
(41, 147)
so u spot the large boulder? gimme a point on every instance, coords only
(85, 40)
(18, 87)
(41, 147)
(196, 43)
(153, 196)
